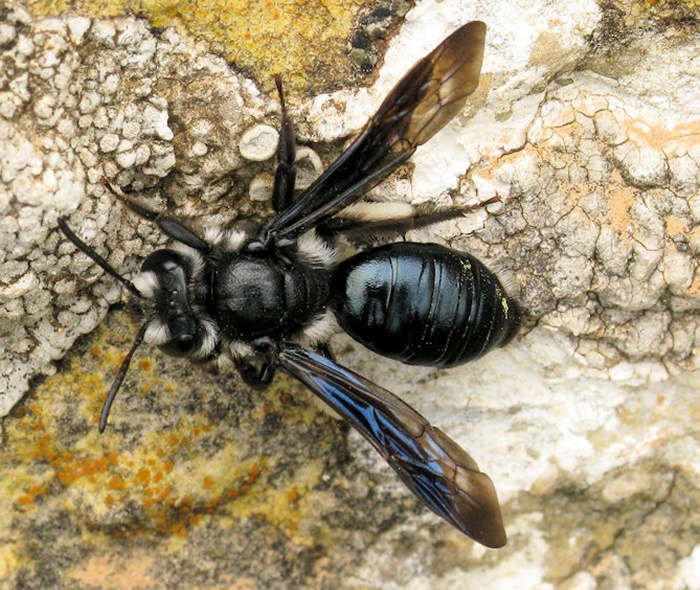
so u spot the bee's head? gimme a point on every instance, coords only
(162, 289)
(164, 281)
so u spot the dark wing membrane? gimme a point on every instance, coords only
(425, 99)
(435, 468)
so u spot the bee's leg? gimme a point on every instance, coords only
(170, 226)
(325, 349)
(373, 218)
(253, 376)
(285, 175)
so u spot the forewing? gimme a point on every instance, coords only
(435, 468)
(432, 92)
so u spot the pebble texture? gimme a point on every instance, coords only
(587, 127)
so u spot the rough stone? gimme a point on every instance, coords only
(587, 423)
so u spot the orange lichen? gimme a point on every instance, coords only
(143, 476)
(117, 483)
(73, 469)
(25, 500)
(254, 472)
(160, 471)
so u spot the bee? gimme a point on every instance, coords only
(267, 296)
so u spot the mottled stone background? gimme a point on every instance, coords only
(586, 125)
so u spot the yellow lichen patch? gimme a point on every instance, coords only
(9, 561)
(174, 503)
(260, 37)
(286, 507)
(174, 464)
(280, 400)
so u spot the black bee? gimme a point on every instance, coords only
(267, 297)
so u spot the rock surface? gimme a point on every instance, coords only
(586, 126)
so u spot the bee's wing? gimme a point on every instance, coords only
(424, 100)
(435, 468)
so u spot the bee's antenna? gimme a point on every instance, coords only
(104, 414)
(87, 250)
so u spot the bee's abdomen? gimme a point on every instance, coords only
(423, 304)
